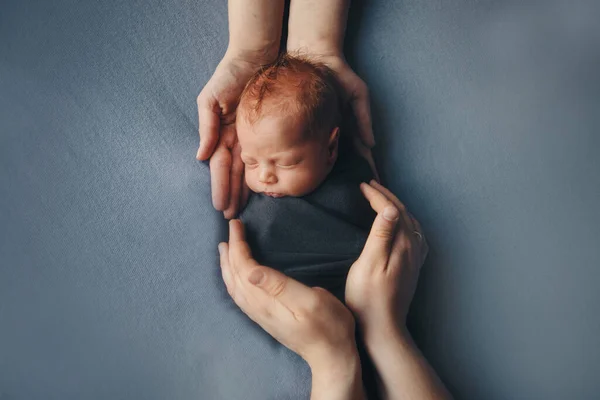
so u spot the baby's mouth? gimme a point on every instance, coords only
(272, 194)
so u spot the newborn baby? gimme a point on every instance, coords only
(307, 216)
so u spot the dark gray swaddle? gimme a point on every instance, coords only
(314, 238)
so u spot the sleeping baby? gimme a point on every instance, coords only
(306, 216)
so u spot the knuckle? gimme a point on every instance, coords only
(313, 306)
(278, 287)
(405, 242)
(382, 233)
(322, 296)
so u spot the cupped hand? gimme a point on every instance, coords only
(382, 282)
(356, 95)
(309, 321)
(217, 104)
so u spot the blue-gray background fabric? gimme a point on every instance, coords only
(487, 115)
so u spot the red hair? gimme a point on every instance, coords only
(294, 85)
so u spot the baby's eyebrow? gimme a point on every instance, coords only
(246, 156)
(288, 159)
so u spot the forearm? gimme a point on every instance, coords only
(317, 26)
(402, 369)
(337, 379)
(255, 28)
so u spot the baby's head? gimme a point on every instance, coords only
(287, 126)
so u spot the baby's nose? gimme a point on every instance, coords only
(267, 176)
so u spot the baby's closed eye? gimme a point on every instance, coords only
(249, 162)
(288, 164)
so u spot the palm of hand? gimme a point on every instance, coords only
(226, 85)
(356, 94)
(217, 105)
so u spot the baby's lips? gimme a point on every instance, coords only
(274, 195)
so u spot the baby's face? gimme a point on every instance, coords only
(279, 160)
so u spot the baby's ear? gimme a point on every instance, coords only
(334, 138)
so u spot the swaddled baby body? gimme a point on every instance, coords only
(307, 216)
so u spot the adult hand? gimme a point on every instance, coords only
(309, 321)
(254, 36)
(382, 282)
(356, 95)
(316, 28)
(379, 290)
(217, 104)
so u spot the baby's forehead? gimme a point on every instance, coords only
(282, 106)
(283, 127)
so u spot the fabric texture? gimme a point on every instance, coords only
(486, 120)
(314, 238)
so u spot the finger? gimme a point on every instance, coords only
(376, 199)
(235, 181)
(273, 283)
(362, 111)
(226, 268)
(405, 240)
(208, 123)
(237, 268)
(403, 251)
(406, 221)
(287, 291)
(421, 239)
(239, 251)
(389, 195)
(220, 167)
(231, 279)
(379, 242)
(416, 224)
(416, 227)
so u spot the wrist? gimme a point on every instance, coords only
(386, 343)
(321, 48)
(259, 55)
(376, 333)
(337, 377)
(335, 364)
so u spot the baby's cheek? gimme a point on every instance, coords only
(250, 178)
(303, 179)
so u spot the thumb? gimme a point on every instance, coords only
(379, 243)
(279, 286)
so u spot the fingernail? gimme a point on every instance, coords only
(220, 247)
(256, 277)
(198, 154)
(390, 213)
